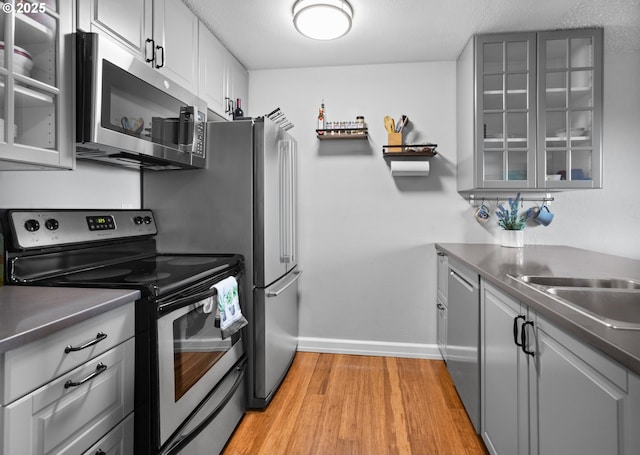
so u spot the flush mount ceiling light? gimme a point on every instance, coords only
(322, 19)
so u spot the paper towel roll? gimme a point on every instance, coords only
(409, 168)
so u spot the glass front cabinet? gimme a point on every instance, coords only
(36, 124)
(530, 111)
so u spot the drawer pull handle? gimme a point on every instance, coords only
(101, 368)
(99, 337)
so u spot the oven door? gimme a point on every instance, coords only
(192, 359)
(129, 114)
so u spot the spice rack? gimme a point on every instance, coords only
(342, 134)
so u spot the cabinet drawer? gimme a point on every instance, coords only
(118, 441)
(33, 365)
(68, 420)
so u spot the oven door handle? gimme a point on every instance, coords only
(179, 440)
(186, 301)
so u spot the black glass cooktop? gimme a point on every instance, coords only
(155, 275)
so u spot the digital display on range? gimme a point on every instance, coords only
(101, 223)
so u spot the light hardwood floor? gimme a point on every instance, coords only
(332, 404)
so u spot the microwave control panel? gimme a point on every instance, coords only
(198, 150)
(49, 228)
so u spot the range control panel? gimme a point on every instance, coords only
(47, 228)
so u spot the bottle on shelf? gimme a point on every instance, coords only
(238, 112)
(321, 119)
(360, 124)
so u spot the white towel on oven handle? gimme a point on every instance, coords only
(228, 302)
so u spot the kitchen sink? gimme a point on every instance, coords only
(558, 281)
(619, 309)
(614, 302)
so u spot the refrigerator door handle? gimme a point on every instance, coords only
(292, 202)
(282, 203)
(296, 274)
(286, 194)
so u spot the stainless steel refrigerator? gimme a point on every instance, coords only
(243, 202)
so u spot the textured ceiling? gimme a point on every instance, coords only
(261, 35)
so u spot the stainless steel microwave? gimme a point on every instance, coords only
(129, 114)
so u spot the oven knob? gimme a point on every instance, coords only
(137, 220)
(52, 224)
(31, 225)
(147, 220)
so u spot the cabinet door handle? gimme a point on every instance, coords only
(523, 339)
(515, 329)
(99, 337)
(146, 54)
(440, 306)
(161, 49)
(101, 368)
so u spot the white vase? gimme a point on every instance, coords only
(512, 239)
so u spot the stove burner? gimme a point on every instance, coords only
(192, 261)
(147, 277)
(98, 274)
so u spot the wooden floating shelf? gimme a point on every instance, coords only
(343, 134)
(410, 154)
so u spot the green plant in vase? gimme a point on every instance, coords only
(509, 219)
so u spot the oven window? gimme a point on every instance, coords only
(197, 346)
(136, 108)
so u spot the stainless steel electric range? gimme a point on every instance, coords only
(189, 384)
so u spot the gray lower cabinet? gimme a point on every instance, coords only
(441, 303)
(441, 334)
(71, 390)
(504, 371)
(545, 392)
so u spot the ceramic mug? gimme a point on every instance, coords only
(544, 216)
(482, 214)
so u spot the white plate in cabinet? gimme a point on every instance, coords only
(64, 418)
(33, 365)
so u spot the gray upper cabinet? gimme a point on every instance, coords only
(163, 33)
(570, 109)
(36, 125)
(529, 111)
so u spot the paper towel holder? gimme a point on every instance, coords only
(409, 152)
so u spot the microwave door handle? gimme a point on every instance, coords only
(186, 128)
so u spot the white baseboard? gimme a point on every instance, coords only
(372, 348)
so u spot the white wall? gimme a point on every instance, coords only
(90, 185)
(367, 238)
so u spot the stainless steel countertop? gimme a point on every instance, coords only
(28, 313)
(494, 262)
